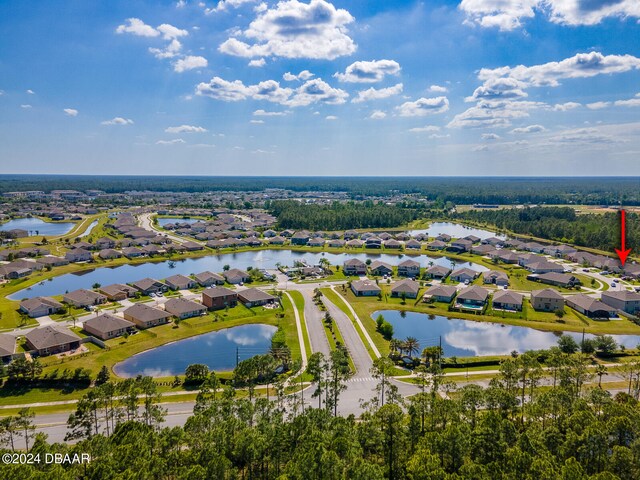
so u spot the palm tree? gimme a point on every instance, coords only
(600, 371)
(412, 345)
(394, 346)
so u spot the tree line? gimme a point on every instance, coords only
(342, 215)
(518, 426)
(562, 224)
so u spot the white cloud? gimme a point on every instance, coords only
(499, 89)
(257, 122)
(170, 51)
(260, 62)
(303, 75)
(263, 113)
(181, 4)
(490, 136)
(493, 114)
(377, 115)
(118, 121)
(293, 29)
(72, 112)
(424, 106)
(426, 128)
(508, 14)
(220, 89)
(225, 4)
(480, 148)
(26, 106)
(185, 129)
(330, 117)
(135, 26)
(435, 136)
(368, 72)
(598, 105)
(317, 91)
(581, 65)
(312, 91)
(529, 129)
(169, 32)
(377, 94)
(175, 141)
(632, 102)
(189, 63)
(563, 107)
(438, 89)
(31, 92)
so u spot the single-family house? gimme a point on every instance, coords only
(473, 297)
(409, 268)
(590, 307)
(253, 297)
(206, 279)
(437, 272)
(218, 298)
(107, 326)
(118, 291)
(495, 277)
(353, 266)
(460, 245)
(378, 267)
(547, 300)
(7, 347)
(84, 298)
(365, 288)
(40, 306)
(464, 274)
(145, 316)
(52, 261)
(180, 282)
(624, 300)
(373, 242)
(78, 255)
(183, 308)
(147, 286)
(507, 300)
(109, 253)
(440, 293)
(236, 276)
(436, 245)
(405, 288)
(544, 266)
(556, 279)
(300, 238)
(52, 339)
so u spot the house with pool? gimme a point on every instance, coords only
(472, 298)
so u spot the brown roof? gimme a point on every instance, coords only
(178, 306)
(35, 302)
(51, 336)
(145, 313)
(255, 295)
(547, 293)
(7, 344)
(107, 323)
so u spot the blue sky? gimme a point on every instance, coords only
(471, 87)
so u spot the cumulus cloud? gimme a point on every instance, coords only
(598, 105)
(425, 129)
(170, 51)
(632, 102)
(438, 89)
(368, 72)
(264, 113)
(581, 65)
(259, 62)
(135, 26)
(26, 106)
(529, 129)
(498, 89)
(312, 91)
(169, 32)
(303, 75)
(377, 94)
(31, 92)
(508, 14)
(175, 141)
(493, 114)
(490, 136)
(292, 29)
(330, 117)
(189, 63)
(256, 122)
(424, 106)
(72, 112)
(185, 129)
(377, 115)
(563, 107)
(226, 4)
(118, 121)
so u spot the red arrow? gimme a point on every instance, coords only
(623, 252)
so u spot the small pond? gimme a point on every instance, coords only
(217, 350)
(455, 230)
(37, 227)
(467, 338)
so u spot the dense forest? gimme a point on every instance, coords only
(459, 190)
(561, 224)
(343, 216)
(513, 429)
